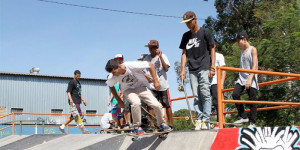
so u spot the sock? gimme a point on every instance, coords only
(62, 126)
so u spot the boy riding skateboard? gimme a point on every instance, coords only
(134, 86)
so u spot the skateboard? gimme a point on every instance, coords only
(77, 118)
(190, 117)
(150, 117)
(135, 137)
(118, 130)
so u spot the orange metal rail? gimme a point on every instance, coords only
(221, 101)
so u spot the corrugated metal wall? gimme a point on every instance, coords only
(40, 94)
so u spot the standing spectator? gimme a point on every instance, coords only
(246, 80)
(198, 52)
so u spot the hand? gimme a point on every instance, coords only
(108, 104)
(71, 102)
(211, 73)
(182, 75)
(248, 84)
(156, 85)
(158, 52)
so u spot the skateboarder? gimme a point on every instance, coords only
(126, 111)
(246, 80)
(74, 97)
(220, 61)
(198, 52)
(135, 88)
(161, 66)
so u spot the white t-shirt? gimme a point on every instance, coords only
(132, 78)
(160, 72)
(105, 120)
(219, 62)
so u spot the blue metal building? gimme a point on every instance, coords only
(29, 92)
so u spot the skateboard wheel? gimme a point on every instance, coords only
(187, 118)
(138, 139)
(132, 139)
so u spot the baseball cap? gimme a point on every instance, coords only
(118, 56)
(241, 35)
(188, 16)
(152, 43)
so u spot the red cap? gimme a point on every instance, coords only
(152, 43)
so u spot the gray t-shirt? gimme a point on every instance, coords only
(160, 72)
(246, 62)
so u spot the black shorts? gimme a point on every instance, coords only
(162, 97)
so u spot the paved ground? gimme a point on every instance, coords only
(175, 141)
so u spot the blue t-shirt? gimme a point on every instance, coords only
(114, 102)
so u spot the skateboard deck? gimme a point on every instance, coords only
(135, 137)
(103, 131)
(182, 88)
(77, 118)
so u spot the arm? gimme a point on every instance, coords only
(148, 77)
(110, 98)
(183, 64)
(115, 94)
(255, 66)
(70, 98)
(154, 76)
(223, 76)
(165, 66)
(213, 60)
(84, 102)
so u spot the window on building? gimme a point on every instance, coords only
(56, 111)
(91, 111)
(14, 110)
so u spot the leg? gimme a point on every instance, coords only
(146, 95)
(132, 97)
(236, 95)
(204, 84)
(164, 99)
(252, 92)
(214, 94)
(195, 90)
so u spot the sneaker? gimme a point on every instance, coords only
(198, 124)
(205, 125)
(241, 120)
(252, 125)
(150, 129)
(139, 131)
(62, 130)
(165, 127)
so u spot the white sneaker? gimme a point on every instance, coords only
(252, 125)
(205, 125)
(241, 120)
(198, 124)
(62, 129)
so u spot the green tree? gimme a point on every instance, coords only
(182, 124)
(273, 27)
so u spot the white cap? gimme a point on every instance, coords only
(119, 56)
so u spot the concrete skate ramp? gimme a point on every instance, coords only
(175, 141)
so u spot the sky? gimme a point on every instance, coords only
(59, 39)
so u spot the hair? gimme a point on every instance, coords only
(77, 72)
(111, 64)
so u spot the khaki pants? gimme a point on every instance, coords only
(135, 96)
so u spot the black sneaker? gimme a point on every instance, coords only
(150, 130)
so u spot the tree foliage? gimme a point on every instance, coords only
(273, 27)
